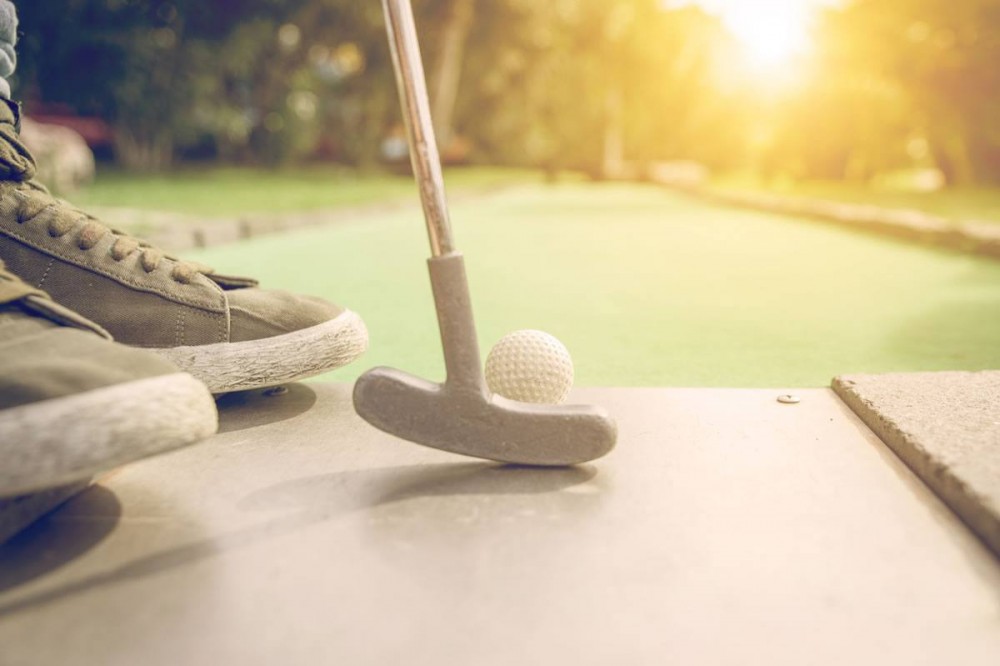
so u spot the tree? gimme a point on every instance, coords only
(590, 84)
(245, 76)
(893, 72)
(582, 84)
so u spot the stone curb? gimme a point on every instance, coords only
(971, 236)
(946, 427)
(179, 232)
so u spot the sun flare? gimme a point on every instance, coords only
(771, 37)
(772, 32)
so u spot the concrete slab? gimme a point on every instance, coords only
(946, 427)
(727, 528)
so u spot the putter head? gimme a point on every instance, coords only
(476, 423)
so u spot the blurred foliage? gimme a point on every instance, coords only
(594, 85)
(566, 78)
(243, 80)
(896, 84)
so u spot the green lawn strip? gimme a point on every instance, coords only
(651, 288)
(222, 192)
(956, 204)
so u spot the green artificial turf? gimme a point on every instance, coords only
(218, 192)
(651, 288)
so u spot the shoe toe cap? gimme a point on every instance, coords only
(264, 313)
(62, 362)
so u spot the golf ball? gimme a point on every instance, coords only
(530, 366)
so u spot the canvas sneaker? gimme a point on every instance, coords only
(73, 403)
(224, 330)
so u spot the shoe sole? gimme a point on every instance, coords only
(241, 366)
(67, 440)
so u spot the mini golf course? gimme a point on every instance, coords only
(727, 527)
(650, 288)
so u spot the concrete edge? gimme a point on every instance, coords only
(967, 236)
(952, 490)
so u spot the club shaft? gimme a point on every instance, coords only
(419, 128)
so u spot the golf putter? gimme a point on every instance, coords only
(461, 415)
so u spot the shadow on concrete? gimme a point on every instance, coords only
(307, 502)
(250, 409)
(378, 487)
(473, 479)
(455, 508)
(57, 539)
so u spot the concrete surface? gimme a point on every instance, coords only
(946, 427)
(726, 528)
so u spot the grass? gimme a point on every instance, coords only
(219, 192)
(957, 204)
(228, 191)
(651, 288)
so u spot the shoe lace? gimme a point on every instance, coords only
(34, 199)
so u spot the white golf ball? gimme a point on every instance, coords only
(530, 366)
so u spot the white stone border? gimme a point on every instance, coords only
(971, 236)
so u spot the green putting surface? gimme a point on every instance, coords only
(234, 191)
(650, 288)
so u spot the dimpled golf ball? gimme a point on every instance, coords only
(530, 366)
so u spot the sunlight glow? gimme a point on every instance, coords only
(770, 37)
(773, 32)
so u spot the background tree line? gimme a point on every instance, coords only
(582, 84)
